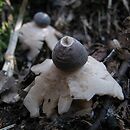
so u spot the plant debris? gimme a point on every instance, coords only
(103, 28)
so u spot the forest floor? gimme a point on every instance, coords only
(95, 24)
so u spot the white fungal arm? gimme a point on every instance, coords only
(43, 67)
(50, 100)
(32, 38)
(50, 37)
(58, 34)
(35, 97)
(46, 88)
(64, 104)
(30, 32)
(92, 79)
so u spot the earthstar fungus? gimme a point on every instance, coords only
(70, 75)
(33, 34)
(69, 54)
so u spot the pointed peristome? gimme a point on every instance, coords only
(69, 54)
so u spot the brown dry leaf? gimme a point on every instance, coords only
(98, 51)
(112, 66)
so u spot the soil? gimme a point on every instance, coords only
(96, 38)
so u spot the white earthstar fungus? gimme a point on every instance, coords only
(58, 85)
(32, 35)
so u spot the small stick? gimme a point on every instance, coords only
(8, 127)
(9, 55)
(109, 16)
(109, 56)
(9, 4)
(125, 2)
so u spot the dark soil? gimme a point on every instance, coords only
(96, 38)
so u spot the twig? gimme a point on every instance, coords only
(86, 26)
(109, 56)
(115, 19)
(9, 55)
(9, 4)
(109, 16)
(126, 4)
(8, 127)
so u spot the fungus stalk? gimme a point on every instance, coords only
(70, 75)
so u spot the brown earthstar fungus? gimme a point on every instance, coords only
(33, 34)
(70, 75)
